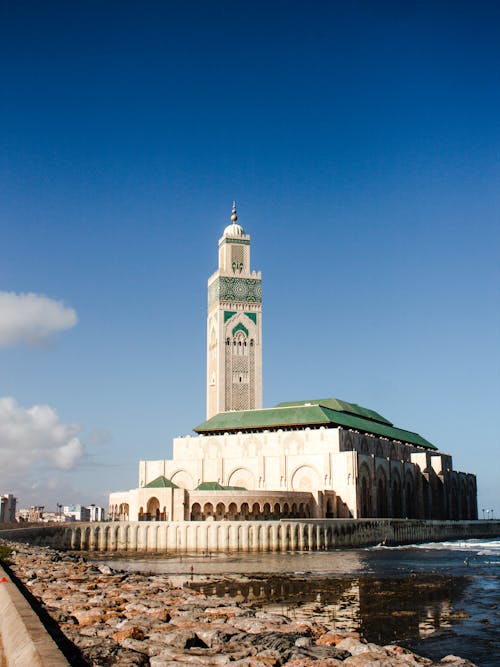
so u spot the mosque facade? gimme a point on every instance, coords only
(315, 458)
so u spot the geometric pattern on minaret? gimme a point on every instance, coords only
(234, 327)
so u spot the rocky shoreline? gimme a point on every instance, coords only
(127, 618)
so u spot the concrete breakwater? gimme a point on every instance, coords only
(249, 536)
(23, 639)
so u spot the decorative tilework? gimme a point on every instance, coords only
(252, 316)
(241, 290)
(230, 239)
(240, 327)
(228, 314)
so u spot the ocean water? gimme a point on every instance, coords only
(437, 599)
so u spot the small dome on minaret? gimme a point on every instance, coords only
(234, 229)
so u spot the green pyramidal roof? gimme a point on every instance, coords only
(161, 483)
(341, 406)
(311, 413)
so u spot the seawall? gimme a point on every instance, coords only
(23, 638)
(263, 536)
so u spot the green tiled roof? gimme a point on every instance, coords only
(161, 482)
(309, 413)
(209, 486)
(342, 406)
(215, 486)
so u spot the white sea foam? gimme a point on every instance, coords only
(480, 547)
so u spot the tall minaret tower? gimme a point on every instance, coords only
(234, 327)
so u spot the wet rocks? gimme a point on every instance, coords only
(132, 619)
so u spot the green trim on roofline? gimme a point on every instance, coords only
(301, 416)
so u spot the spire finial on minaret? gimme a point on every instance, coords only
(234, 217)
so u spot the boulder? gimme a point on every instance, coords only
(455, 661)
(89, 616)
(334, 637)
(129, 632)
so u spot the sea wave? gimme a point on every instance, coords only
(480, 547)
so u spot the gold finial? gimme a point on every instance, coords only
(234, 217)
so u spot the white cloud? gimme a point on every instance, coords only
(68, 454)
(34, 438)
(31, 319)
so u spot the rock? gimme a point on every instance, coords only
(372, 659)
(333, 638)
(184, 639)
(252, 625)
(95, 631)
(380, 658)
(132, 632)
(89, 616)
(319, 653)
(216, 637)
(60, 616)
(107, 652)
(283, 647)
(355, 646)
(159, 615)
(303, 642)
(166, 659)
(224, 612)
(277, 619)
(306, 662)
(455, 661)
(409, 657)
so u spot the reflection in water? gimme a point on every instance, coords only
(318, 563)
(383, 610)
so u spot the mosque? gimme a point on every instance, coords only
(314, 458)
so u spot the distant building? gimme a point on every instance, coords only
(22, 514)
(321, 458)
(80, 512)
(7, 508)
(96, 513)
(76, 513)
(32, 515)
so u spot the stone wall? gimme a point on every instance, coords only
(293, 535)
(24, 639)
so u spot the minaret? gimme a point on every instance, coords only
(234, 327)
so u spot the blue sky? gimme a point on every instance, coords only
(361, 142)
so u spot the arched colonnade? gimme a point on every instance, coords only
(231, 536)
(248, 511)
